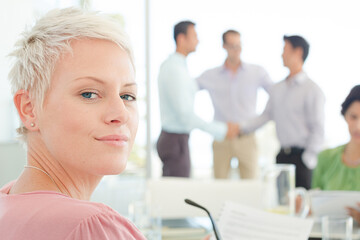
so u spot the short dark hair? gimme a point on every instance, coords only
(231, 31)
(182, 27)
(353, 96)
(298, 41)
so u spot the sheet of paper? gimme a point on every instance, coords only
(332, 202)
(245, 223)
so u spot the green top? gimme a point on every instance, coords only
(332, 174)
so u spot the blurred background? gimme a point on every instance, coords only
(330, 26)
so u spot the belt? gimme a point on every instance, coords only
(292, 150)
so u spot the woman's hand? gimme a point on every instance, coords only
(298, 205)
(354, 213)
(207, 237)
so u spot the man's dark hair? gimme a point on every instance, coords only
(353, 96)
(298, 41)
(182, 27)
(231, 31)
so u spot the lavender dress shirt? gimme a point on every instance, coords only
(234, 95)
(297, 106)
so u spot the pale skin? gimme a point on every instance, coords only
(232, 46)
(186, 44)
(88, 123)
(292, 58)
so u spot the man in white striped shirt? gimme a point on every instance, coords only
(296, 104)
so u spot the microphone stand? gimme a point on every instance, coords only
(216, 231)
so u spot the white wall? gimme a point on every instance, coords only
(14, 15)
(12, 161)
(330, 26)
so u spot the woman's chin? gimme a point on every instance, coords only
(114, 169)
(355, 139)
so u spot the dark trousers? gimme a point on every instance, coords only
(303, 175)
(173, 150)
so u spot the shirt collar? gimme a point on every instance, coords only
(299, 78)
(179, 58)
(241, 67)
(179, 55)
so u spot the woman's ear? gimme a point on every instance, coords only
(26, 109)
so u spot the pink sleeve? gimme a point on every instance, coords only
(107, 225)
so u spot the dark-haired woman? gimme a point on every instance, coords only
(339, 168)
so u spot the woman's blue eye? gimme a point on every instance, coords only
(128, 97)
(88, 95)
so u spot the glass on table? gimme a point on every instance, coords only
(280, 193)
(146, 219)
(336, 227)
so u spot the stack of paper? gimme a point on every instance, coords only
(239, 222)
(184, 229)
(333, 202)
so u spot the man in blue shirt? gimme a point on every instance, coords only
(176, 96)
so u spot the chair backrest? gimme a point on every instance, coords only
(12, 161)
(168, 194)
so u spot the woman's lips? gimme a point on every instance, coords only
(114, 140)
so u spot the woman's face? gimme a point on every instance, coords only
(352, 117)
(89, 120)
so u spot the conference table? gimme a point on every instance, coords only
(209, 194)
(199, 227)
(316, 231)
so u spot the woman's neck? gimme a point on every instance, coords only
(351, 156)
(47, 174)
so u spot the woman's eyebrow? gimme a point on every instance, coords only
(91, 78)
(129, 84)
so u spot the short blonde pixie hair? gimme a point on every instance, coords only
(39, 48)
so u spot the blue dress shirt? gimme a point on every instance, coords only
(176, 95)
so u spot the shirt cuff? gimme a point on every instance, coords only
(243, 128)
(309, 159)
(220, 131)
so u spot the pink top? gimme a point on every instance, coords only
(47, 215)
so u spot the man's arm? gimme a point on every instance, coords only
(315, 114)
(266, 82)
(181, 100)
(252, 124)
(201, 80)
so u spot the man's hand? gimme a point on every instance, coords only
(354, 213)
(233, 130)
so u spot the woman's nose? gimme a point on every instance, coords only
(117, 112)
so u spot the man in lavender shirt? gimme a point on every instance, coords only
(233, 90)
(296, 104)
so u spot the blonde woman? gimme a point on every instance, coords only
(74, 88)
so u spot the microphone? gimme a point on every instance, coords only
(216, 231)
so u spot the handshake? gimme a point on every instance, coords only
(233, 130)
